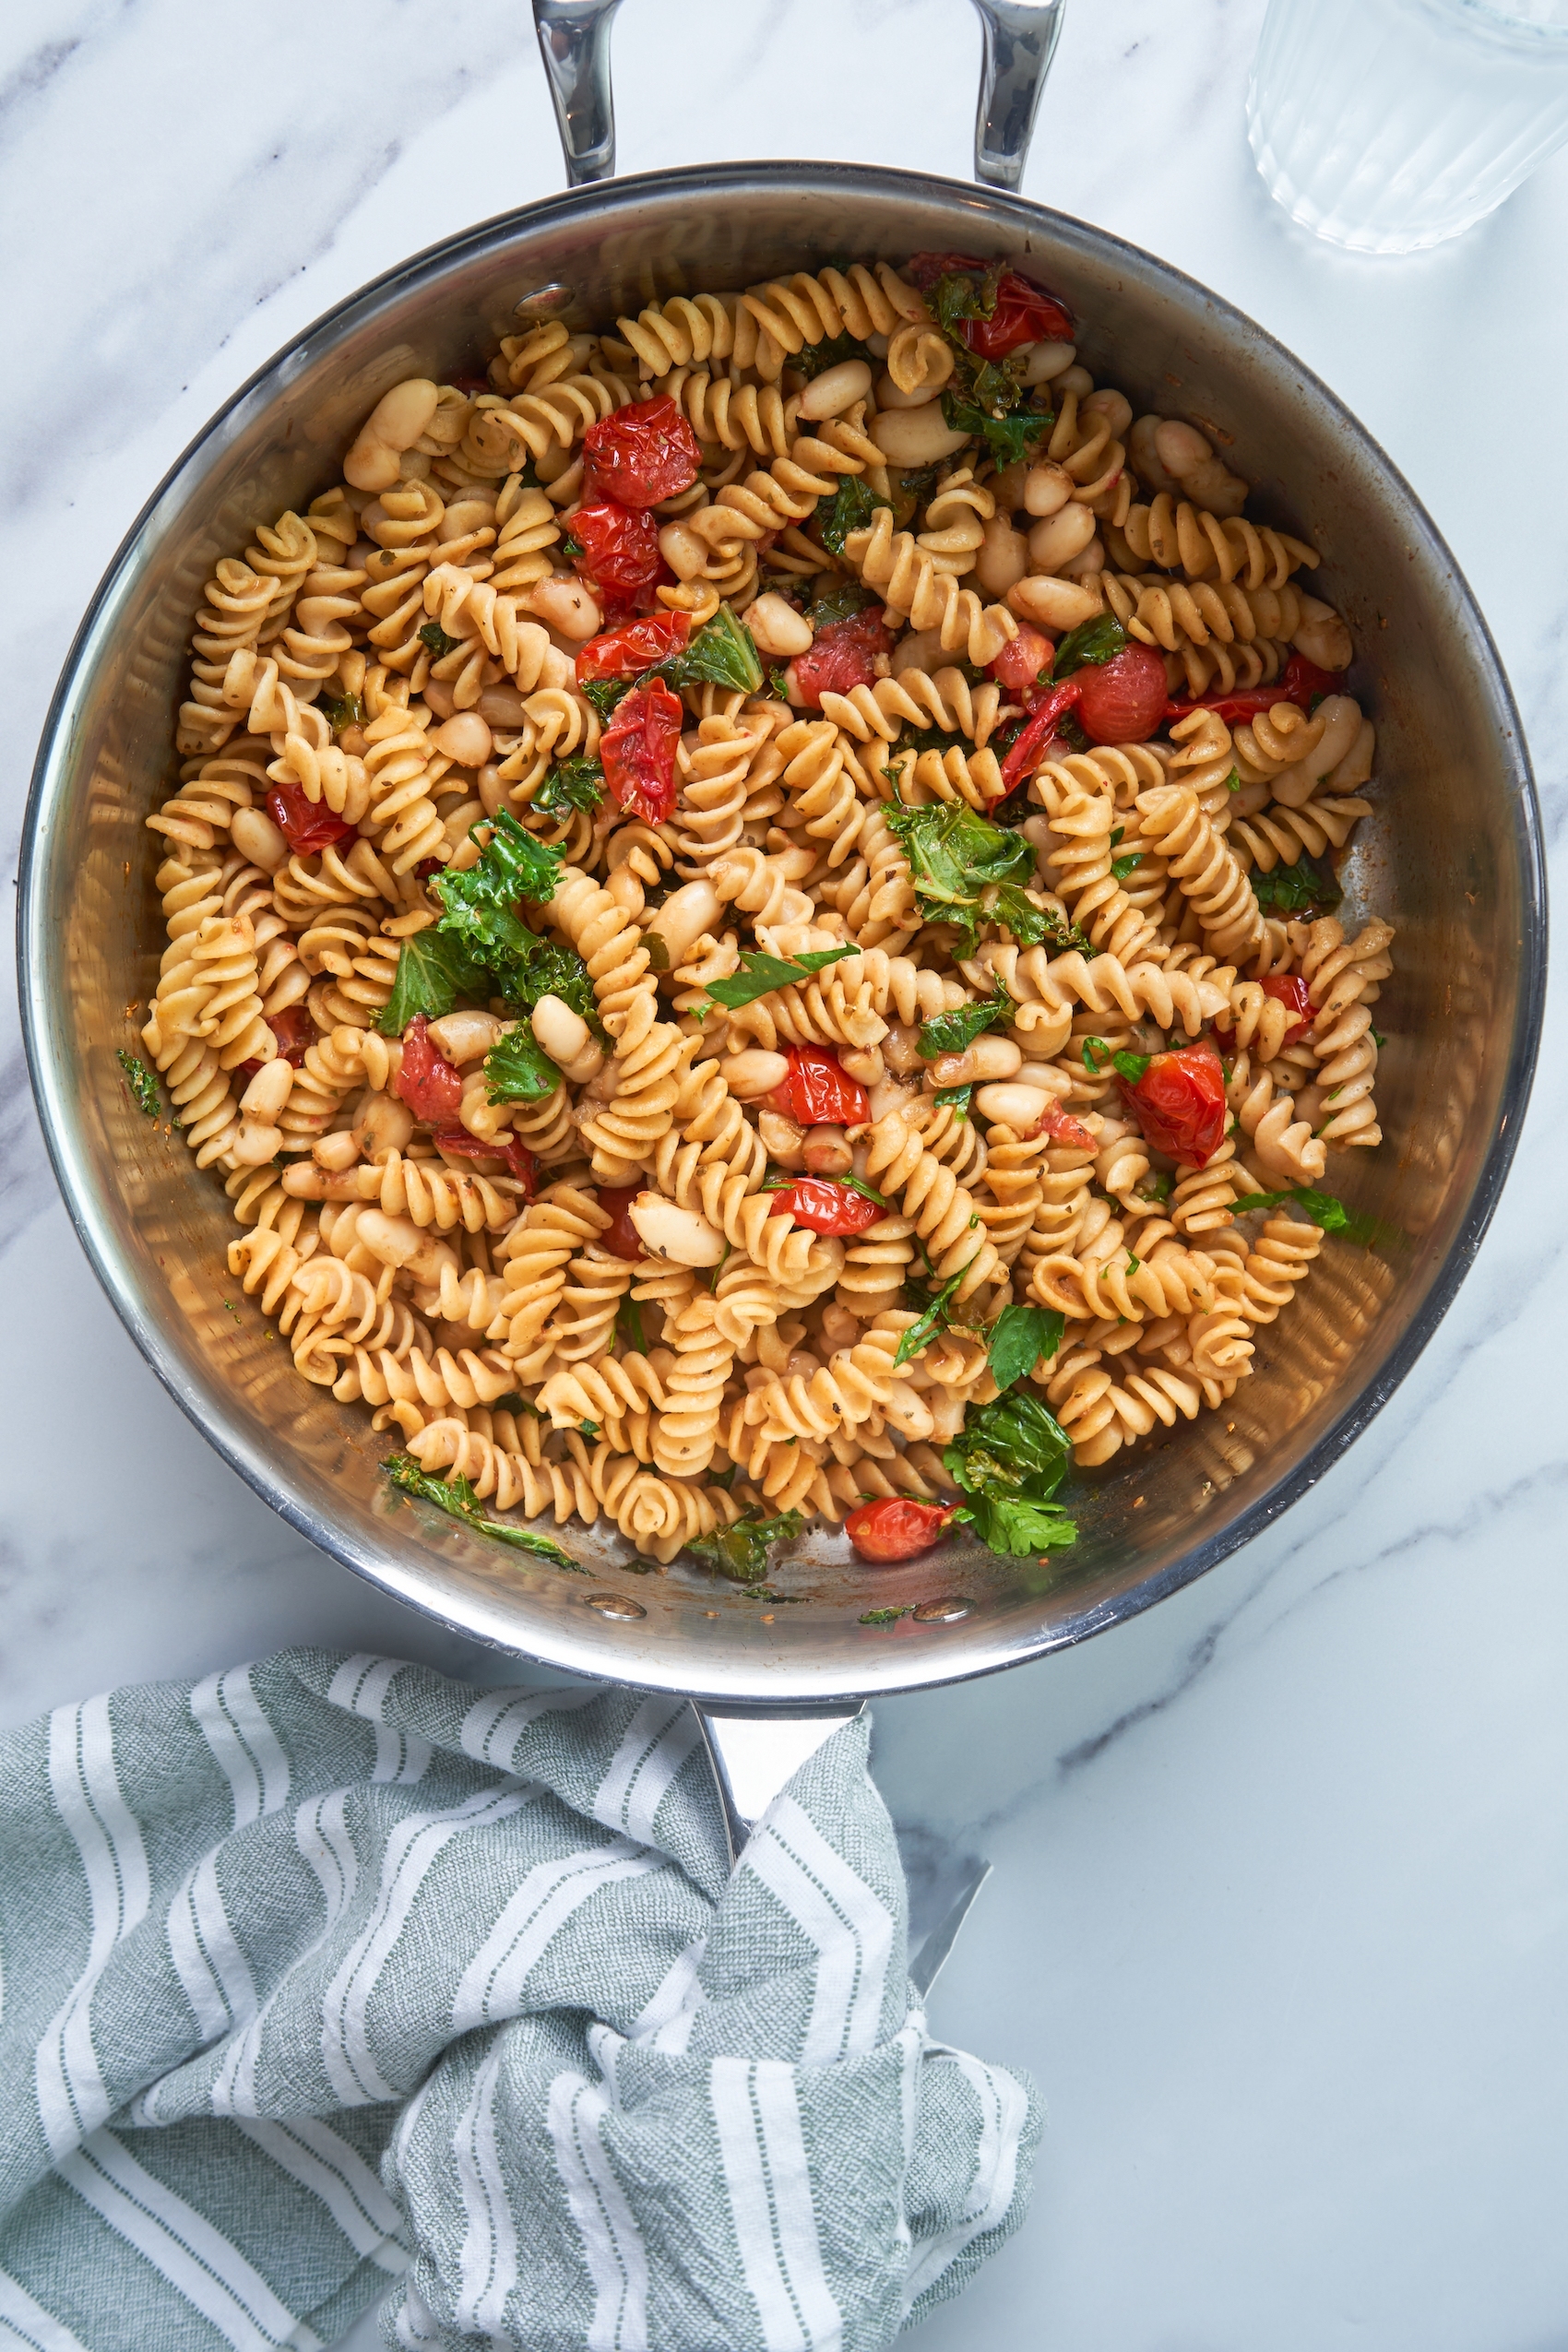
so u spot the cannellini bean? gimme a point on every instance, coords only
(889, 397)
(1323, 636)
(335, 1152)
(464, 738)
(464, 1037)
(889, 1096)
(1076, 379)
(840, 1327)
(386, 1124)
(922, 649)
(753, 1073)
(441, 698)
(835, 389)
(1058, 538)
(862, 1062)
(778, 627)
(565, 605)
(685, 553)
(1053, 604)
(916, 436)
(393, 425)
(989, 1057)
(826, 1152)
(1114, 406)
(1047, 487)
(257, 838)
(1046, 362)
(567, 1039)
(257, 1143)
(269, 1090)
(684, 918)
(1181, 448)
(498, 706)
(901, 1047)
(1007, 487)
(1044, 1077)
(1003, 557)
(1087, 562)
(781, 1139)
(397, 1240)
(1017, 1105)
(1341, 716)
(1188, 457)
(678, 1235)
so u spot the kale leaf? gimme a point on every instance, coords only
(721, 653)
(517, 1069)
(1010, 1457)
(481, 902)
(435, 637)
(1090, 643)
(1009, 438)
(760, 974)
(629, 1325)
(571, 784)
(142, 1083)
(1292, 890)
(816, 359)
(1019, 1337)
(434, 970)
(740, 1552)
(851, 508)
(840, 600)
(343, 710)
(606, 693)
(954, 1032)
(957, 1098)
(457, 1497)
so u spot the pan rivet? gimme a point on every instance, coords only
(544, 302)
(942, 1613)
(613, 1605)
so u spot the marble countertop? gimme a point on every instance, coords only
(1279, 1914)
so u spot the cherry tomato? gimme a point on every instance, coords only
(637, 752)
(519, 1160)
(1030, 745)
(426, 1080)
(923, 270)
(1025, 313)
(1065, 1131)
(1123, 699)
(896, 1528)
(307, 825)
(1300, 682)
(818, 1091)
(641, 453)
(635, 647)
(1180, 1103)
(1022, 660)
(842, 656)
(622, 1239)
(1289, 990)
(620, 553)
(295, 1033)
(823, 1206)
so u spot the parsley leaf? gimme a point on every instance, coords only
(1324, 1210)
(517, 1069)
(760, 974)
(1130, 1065)
(457, 1497)
(1090, 643)
(1019, 1337)
(433, 635)
(740, 1552)
(721, 653)
(851, 508)
(571, 784)
(142, 1083)
(1122, 867)
(926, 1326)
(1292, 890)
(434, 970)
(954, 1032)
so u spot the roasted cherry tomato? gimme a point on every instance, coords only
(623, 1240)
(637, 752)
(923, 270)
(1067, 1132)
(843, 655)
(620, 553)
(635, 647)
(1025, 313)
(1038, 731)
(1021, 660)
(426, 1080)
(519, 1160)
(640, 455)
(818, 1091)
(896, 1528)
(823, 1206)
(1286, 989)
(295, 1033)
(307, 825)
(1122, 700)
(1299, 682)
(1180, 1103)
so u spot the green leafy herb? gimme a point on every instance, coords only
(547, 970)
(721, 653)
(1072, 733)
(434, 970)
(1089, 644)
(457, 1497)
(852, 505)
(1130, 1065)
(343, 710)
(867, 1192)
(885, 1616)
(726, 1479)
(481, 902)
(1323, 1209)
(571, 548)
(516, 1402)
(1010, 1457)
(954, 1032)
(1093, 1054)
(1019, 1526)
(1314, 701)
(606, 693)
(956, 295)
(740, 1551)
(517, 1069)
(1379, 1039)
(1232, 782)
(954, 855)
(571, 784)
(920, 480)
(1122, 867)
(629, 1325)
(1117, 834)
(433, 635)
(1031, 926)
(840, 600)
(1019, 1337)
(778, 685)
(817, 358)
(1292, 890)
(926, 1326)
(760, 974)
(1157, 1188)
(142, 1083)
(956, 1097)
(1009, 438)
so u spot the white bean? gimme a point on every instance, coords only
(778, 627)
(826, 1152)
(1046, 362)
(1047, 487)
(386, 1124)
(256, 836)
(464, 738)
(1323, 636)
(835, 389)
(335, 1152)
(684, 553)
(889, 398)
(464, 1037)
(1056, 541)
(397, 1240)
(753, 1073)
(684, 918)
(567, 1039)
(1181, 448)
(1114, 406)
(916, 436)
(498, 706)
(1003, 557)
(678, 1235)
(565, 605)
(989, 1057)
(269, 1090)
(781, 1139)
(440, 697)
(1053, 604)
(1017, 1105)
(393, 425)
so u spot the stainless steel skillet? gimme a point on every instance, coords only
(1453, 857)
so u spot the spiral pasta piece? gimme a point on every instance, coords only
(1207, 873)
(942, 1212)
(1179, 537)
(908, 579)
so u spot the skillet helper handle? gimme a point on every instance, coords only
(573, 39)
(755, 1751)
(1019, 38)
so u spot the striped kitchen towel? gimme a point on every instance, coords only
(328, 1979)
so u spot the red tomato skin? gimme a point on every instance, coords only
(295, 1033)
(426, 1080)
(639, 454)
(1065, 1131)
(1290, 990)
(1029, 747)
(1023, 658)
(307, 825)
(819, 1092)
(637, 752)
(1299, 683)
(842, 655)
(519, 1160)
(896, 1528)
(1025, 313)
(620, 553)
(823, 1207)
(635, 646)
(1122, 700)
(622, 1239)
(1180, 1103)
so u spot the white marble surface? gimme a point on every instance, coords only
(1280, 1911)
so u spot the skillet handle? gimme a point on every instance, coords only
(573, 39)
(755, 1751)
(1020, 38)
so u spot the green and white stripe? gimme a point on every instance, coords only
(328, 1979)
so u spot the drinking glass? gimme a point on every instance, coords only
(1387, 126)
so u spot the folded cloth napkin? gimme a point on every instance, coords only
(328, 1973)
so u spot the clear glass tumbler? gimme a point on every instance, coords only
(1386, 126)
